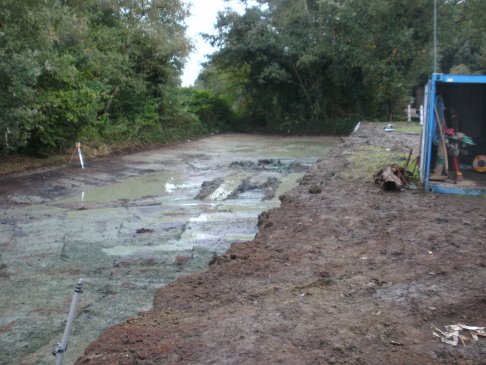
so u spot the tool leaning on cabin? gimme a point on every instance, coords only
(449, 142)
(441, 161)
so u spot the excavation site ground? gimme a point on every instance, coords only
(128, 225)
(339, 271)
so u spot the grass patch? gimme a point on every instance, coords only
(404, 127)
(366, 160)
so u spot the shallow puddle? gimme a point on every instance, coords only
(134, 188)
(128, 238)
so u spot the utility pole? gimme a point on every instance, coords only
(435, 36)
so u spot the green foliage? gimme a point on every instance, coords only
(108, 70)
(176, 124)
(23, 39)
(462, 42)
(302, 65)
(61, 116)
(213, 111)
(95, 69)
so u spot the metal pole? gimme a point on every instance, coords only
(78, 146)
(61, 347)
(435, 36)
(7, 131)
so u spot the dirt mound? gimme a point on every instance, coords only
(209, 187)
(268, 186)
(268, 165)
(342, 273)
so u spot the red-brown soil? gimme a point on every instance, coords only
(350, 275)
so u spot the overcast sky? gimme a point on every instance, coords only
(202, 20)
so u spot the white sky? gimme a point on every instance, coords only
(202, 20)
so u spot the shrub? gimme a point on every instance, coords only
(213, 111)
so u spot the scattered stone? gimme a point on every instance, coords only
(324, 274)
(315, 189)
(268, 225)
(213, 260)
(411, 186)
(181, 260)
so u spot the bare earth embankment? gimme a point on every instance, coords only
(350, 275)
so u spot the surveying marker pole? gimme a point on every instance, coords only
(7, 132)
(78, 147)
(61, 347)
(80, 154)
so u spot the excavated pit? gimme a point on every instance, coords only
(128, 226)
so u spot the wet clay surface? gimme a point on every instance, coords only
(128, 226)
(347, 274)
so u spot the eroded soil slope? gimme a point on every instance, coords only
(350, 275)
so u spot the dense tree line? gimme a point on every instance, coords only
(104, 71)
(301, 66)
(91, 70)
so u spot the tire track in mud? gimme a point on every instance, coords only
(115, 243)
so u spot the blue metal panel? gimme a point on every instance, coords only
(423, 141)
(462, 79)
(456, 190)
(429, 130)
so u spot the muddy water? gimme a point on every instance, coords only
(167, 215)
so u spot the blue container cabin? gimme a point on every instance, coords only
(466, 96)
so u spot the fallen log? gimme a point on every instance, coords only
(391, 177)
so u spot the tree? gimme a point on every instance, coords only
(301, 64)
(23, 40)
(89, 69)
(462, 25)
(308, 62)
